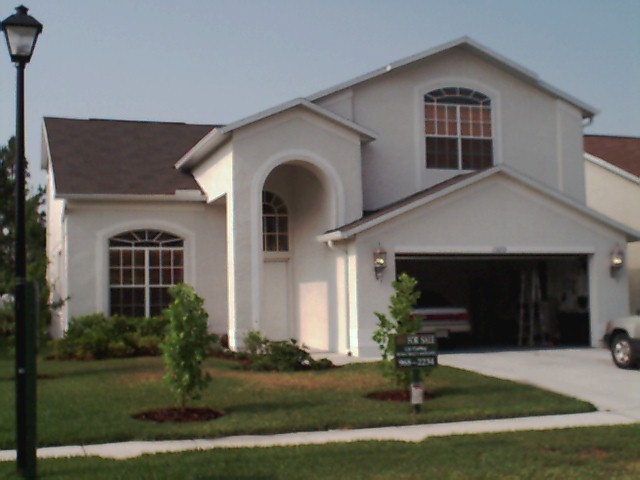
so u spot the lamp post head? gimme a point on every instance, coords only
(21, 31)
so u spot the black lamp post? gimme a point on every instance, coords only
(21, 31)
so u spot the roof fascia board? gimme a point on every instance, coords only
(570, 202)
(366, 134)
(207, 145)
(217, 137)
(340, 235)
(114, 197)
(631, 234)
(611, 168)
(465, 42)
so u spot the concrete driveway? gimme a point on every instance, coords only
(586, 373)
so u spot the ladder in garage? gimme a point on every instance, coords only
(530, 315)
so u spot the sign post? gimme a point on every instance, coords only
(416, 351)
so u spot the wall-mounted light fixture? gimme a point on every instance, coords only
(617, 259)
(379, 261)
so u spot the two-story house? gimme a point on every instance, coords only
(455, 165)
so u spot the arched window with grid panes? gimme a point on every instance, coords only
(275, 224)
(458, 130)
(143, 264)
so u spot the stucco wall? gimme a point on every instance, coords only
(619, 198)
(496, 215)
(214, 174)
(90, 224)
(535, 133)
(327, 152)
(56, 256)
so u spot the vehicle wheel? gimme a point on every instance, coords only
(622, 351)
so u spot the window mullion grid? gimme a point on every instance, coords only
(147, 306)
(171, 269)
(459, 137)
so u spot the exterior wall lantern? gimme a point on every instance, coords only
(379, 261)
(21, 31)
(617, 260)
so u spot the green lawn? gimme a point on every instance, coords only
(584, 453)
(92, 402)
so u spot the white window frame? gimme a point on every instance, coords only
(281, 213)
(425, 177)
(147, 286)
(459, 136)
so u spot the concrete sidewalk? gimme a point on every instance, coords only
(411, 433)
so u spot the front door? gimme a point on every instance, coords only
(274, 318)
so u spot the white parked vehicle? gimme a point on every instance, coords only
(622, 337)
(440, 318)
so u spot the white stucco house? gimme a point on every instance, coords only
(612, 173)
(463, 166)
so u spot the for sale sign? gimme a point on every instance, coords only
(419, 350)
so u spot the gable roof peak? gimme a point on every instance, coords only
(471, 45)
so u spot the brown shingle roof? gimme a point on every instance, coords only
(120, 157)
(623, 152)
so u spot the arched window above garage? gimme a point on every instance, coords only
(458, 129)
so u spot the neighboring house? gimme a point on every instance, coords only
(457, 165)
(612, 173)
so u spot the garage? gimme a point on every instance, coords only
(512, 300)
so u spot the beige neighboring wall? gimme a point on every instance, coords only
(616, 194)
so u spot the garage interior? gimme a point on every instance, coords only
(514, 301)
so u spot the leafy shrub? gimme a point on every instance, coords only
(96, 337)
(402, 303)
(185, 345)
(281, 356)
(255, 343)
(6, 316)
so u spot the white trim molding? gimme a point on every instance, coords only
(611, 168)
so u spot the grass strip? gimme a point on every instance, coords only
(594, 453)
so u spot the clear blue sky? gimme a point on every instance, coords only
(210, 61)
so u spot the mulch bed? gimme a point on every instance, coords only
(197, 414)
(395, 395)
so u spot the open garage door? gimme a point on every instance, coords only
(512, 300)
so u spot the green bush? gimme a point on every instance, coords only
(255, 343)
(281, 356)
(402, 303)
(6, 318)
(96, 337)
(186, 343)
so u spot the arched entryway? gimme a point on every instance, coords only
(297, 297)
